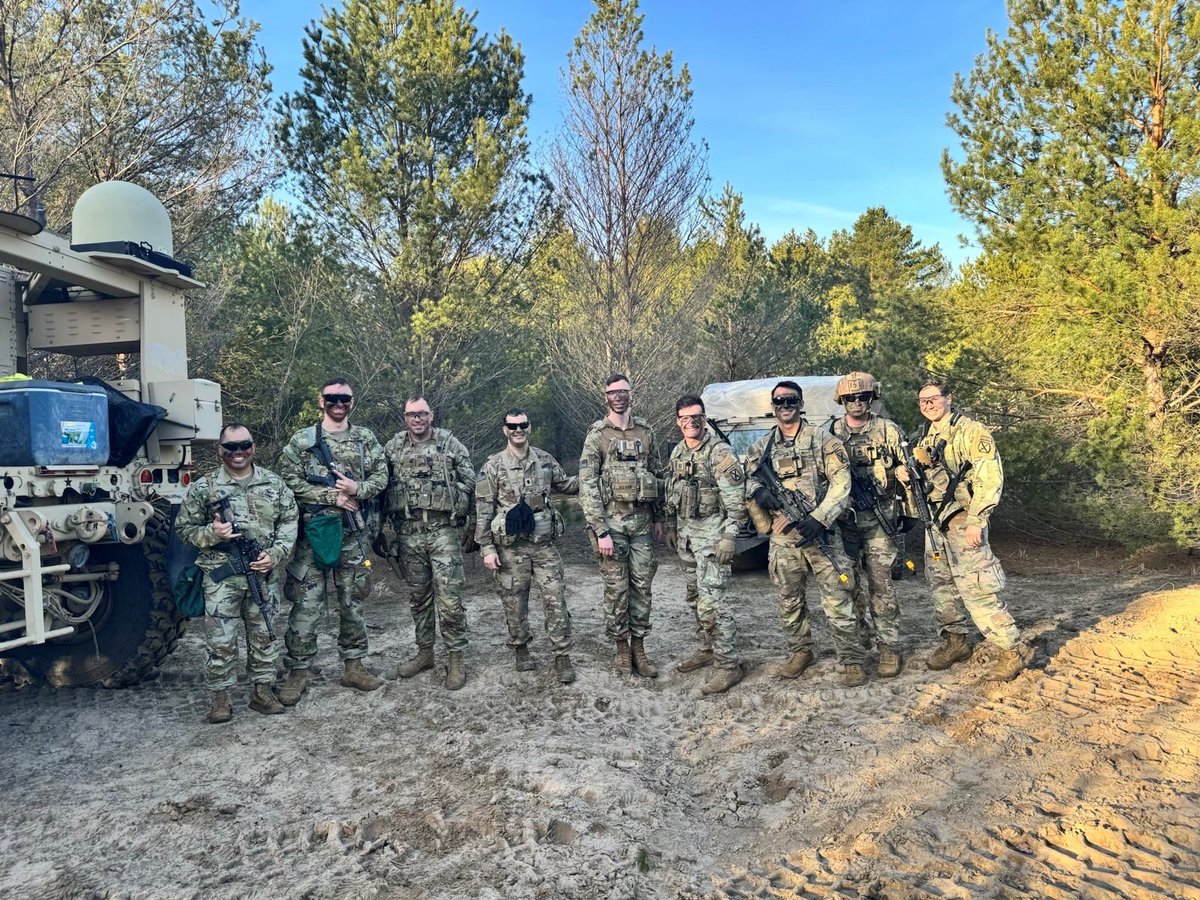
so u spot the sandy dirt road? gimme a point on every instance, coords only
(1081, 778)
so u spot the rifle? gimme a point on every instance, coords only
(864, 496)
(795, 507)
(243, 550)
(352, 520)
(919, 491)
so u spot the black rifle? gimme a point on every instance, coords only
(864, 497)
(352, 520)
(919, 491)
(242, 551)
(794, 506)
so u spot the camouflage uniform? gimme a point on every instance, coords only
(264, 509)
(619, 493)
(356, 454)
(816, 464)
(524, 558)
(706, 497)
(969, 576)
(429, 497)
(874, 451)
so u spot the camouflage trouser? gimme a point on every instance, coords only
(307, 588)
(786, 565)
(691, 596)
(872, 552)
(715, 627)
(627, 577)
(224, 604)
(432, 562)
(525, 564)
(973, 577)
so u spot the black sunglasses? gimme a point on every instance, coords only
(789, 400)
(235, 446)
(516, 426)
(863, 397)
(341, 399)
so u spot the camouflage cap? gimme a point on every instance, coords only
(856, 383)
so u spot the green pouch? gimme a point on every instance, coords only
(189, 592)
(324, 534)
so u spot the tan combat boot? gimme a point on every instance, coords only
(723, 679)
(955, 648)
(641, 662)
(356, 676)
(1010, 664)
(524, 662)
(622, 661)
(419, 663)
(854, 675)
(264, 701)
(796, 664)
(294, 688)
(889, 663)
(698, 660)
(456, 675)
(562, 665)
(220, 710)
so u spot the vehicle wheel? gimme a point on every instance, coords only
(132, 631)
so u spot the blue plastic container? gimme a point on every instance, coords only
(50, 423)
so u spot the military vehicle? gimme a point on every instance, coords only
(92, 474)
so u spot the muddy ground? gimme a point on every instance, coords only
(1078, 779)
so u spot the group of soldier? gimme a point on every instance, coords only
(801, 484)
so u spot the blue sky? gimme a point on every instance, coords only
(813, 111)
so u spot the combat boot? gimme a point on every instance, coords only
(264, 701)
(562, 665)
(524, 662)
(294, 688)
(723, 679)
(356, 676)
(1010, 664)
(419, 663)
(698, 660)
(854, 675)
(641, 662)
(220, 710)
(796, 664)
(889, 663)
(623, 662)
(955, 648)
(456, 675)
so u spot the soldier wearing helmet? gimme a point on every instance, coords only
(868, 525)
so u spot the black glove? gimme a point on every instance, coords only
(766, 500)
(810, 529)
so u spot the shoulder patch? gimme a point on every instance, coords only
(985, 445)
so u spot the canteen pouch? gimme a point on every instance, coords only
(325, 535)
(189, 592)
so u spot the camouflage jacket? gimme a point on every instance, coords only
(706, 482)
(956, 444)
(874, 451)
(263, 509)
(620, 475)
(356, 454)
(503, 480)
(814, 463)
(433, 476)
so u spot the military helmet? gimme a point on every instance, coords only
(856, 383)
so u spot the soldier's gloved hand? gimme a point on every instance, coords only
(810, 529)
(765, 500)
(726, 549)
(671, 536)
(381, 545)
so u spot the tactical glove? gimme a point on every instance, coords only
(765, 499)
(810, 529)
(726, 549)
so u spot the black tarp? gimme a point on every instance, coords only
(129, 422)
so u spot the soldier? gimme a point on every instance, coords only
(966, 478)
(516, 527)
(619, 493)
(326, 495)
(263, 508)
(706, 505)
(813, 463)
(429, 497)
(868, 527)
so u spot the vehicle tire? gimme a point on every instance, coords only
(134, 629)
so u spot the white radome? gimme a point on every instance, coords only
(120, 211)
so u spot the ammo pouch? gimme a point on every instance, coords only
(622, 483)
(325, 534)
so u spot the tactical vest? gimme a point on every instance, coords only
(951, 488)
(800, 465)
(693, 492)
(423, 479)
(534, 486)
(867, 446)
(625, 475)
